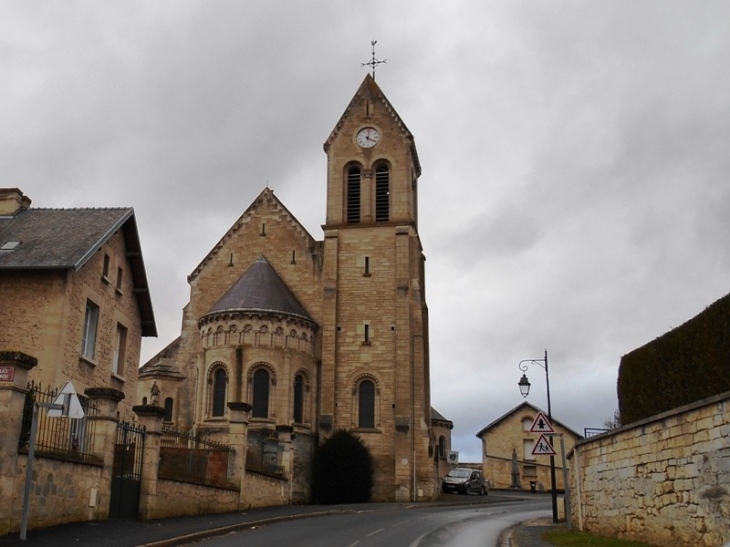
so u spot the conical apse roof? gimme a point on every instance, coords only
(260, 289)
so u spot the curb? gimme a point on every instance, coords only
(505, 538)
(214, 532)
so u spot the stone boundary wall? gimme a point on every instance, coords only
(61, 492)
(664, 480)
(264, 491)
(192, 499)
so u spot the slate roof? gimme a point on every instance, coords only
(436, 416)
(260, 289)
(66, 239)
(523, 406)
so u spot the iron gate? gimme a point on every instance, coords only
(127, 472)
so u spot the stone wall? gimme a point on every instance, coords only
(261, 490)
(192, 499)
(61, 492)
(664, 480)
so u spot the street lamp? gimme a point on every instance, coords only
(524, 385)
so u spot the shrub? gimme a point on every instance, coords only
(343, 470)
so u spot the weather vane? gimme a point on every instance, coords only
(373, 62)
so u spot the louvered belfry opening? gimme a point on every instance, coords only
(353, 195)
(382, 193)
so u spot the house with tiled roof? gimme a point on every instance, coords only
(74, 294)
(509, 458)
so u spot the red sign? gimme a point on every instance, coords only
(7, 373)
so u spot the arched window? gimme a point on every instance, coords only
(366, 404)
(261, 384)
(298, 399)
(442, 446)
(353, 194)
(219, 392)
(168, 409)
(382, 193)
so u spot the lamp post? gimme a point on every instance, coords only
(524, 385)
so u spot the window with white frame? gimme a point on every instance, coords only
(91, 322)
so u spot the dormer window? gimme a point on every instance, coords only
(8, 247)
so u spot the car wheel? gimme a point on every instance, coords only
(483, 491)
(467, 490)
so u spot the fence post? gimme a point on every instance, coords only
(150, 417)
(238, 439)
(14, 368)
(106, 400)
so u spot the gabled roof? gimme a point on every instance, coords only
(520, 408)
(260, 290)
(436, 416)
(163, 364)
(266, 197)
(370, 91)
(65, 239)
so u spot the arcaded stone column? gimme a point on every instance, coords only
(150, 417)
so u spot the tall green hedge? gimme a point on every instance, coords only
(687, 364)
(343, 470)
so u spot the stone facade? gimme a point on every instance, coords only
(664, 480)
(44, 304)
(355, 315)
(507, 444)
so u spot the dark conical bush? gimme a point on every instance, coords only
(343, 470)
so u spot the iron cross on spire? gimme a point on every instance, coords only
(373, 62)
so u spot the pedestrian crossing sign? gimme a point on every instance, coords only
(543, 447)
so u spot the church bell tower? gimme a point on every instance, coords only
(375, 366)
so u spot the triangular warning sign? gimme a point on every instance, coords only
(541, 424)
(543, 447)
(70, 401)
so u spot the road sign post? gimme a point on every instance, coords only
(65, 405)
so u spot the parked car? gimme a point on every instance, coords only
(465, 481)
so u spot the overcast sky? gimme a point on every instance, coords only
(574, 196)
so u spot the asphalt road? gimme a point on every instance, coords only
(415, 526)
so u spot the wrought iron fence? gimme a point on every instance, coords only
(192, 458)
(65, 438)
(593, 431)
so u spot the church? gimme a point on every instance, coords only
(318, 335)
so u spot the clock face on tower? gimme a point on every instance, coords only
(367, 137)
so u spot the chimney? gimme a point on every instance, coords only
(12, 201)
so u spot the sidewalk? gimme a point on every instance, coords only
(182, 530)
(527, 534)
